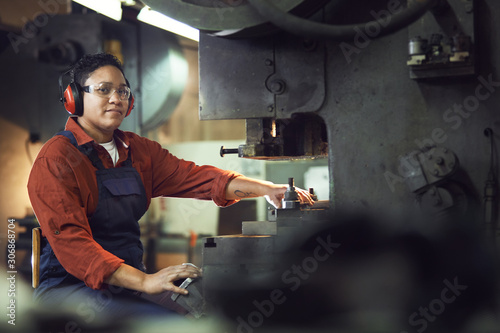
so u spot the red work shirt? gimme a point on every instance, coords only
(63, 191)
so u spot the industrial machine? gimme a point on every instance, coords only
(403, 105)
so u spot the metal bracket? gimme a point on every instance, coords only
(425, 169)
(441, 43)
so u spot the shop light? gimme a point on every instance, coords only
(109, 8)
(149, 16)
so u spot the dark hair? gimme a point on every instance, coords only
(90, 62)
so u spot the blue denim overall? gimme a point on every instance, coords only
(114, 224)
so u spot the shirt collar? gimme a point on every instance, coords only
(120, 135)
(82, 137)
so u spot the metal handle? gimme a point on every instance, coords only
(224, 151)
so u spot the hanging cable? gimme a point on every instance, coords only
(490, 188)
(307, 28)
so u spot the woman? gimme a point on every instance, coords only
(91, 184)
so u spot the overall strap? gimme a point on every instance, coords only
(85, 149)
(128, 161)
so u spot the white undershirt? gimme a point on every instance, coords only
(112, 150)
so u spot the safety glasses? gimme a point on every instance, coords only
(106, 90)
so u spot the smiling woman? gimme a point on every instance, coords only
(90, 185)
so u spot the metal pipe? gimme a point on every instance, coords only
(304, 27)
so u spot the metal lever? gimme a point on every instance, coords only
(291, 199)
(224, 151)
(313, 196)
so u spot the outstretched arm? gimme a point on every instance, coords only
(244, 187)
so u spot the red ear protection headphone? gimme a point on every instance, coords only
(72, 97)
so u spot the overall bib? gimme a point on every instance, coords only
(114, 224)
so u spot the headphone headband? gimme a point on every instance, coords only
(61, 92)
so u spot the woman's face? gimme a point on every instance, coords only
(104, 114)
